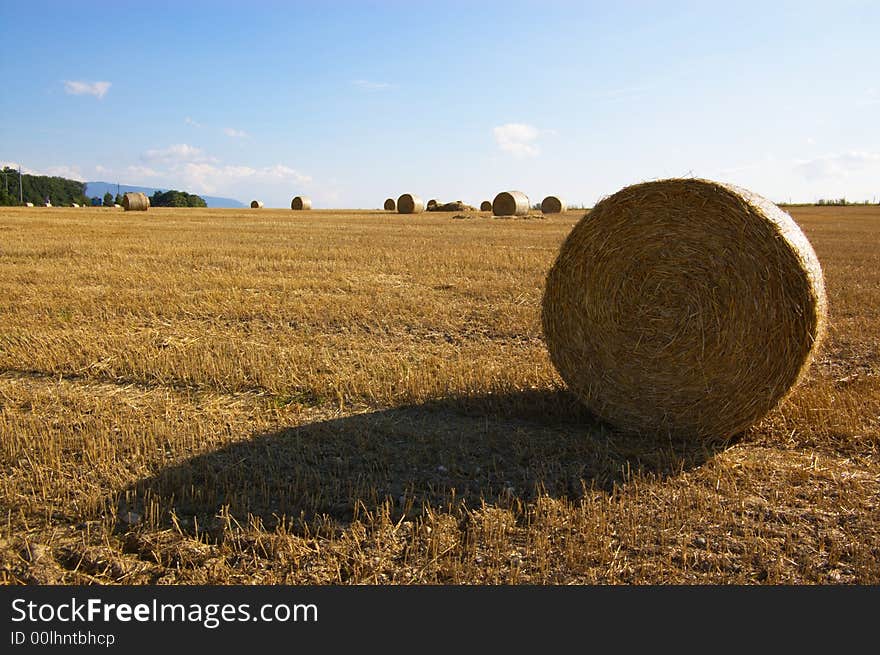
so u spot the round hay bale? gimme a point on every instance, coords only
(410, 204)
(28, 204)
(684, 307)
(135, 201)
(552, 205)
(510, 203)
(485, 206)
(256, 204)
(301, 203)
(432, 204)
(390, 205)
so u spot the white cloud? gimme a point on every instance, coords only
(837, 165)
(16, 165)
(228, 131)
(519, 139)
(369, 85)
(79, 88)
(190, 121)
(142, 171)
(179, 152)
(208, 178)
(70, 172)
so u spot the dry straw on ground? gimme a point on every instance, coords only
(510, 203)
(684, 306)
(410, 204)
(390, 205)
(256, 204)
(552, 205)
(133, 201)
(485, 206)
(301, 203)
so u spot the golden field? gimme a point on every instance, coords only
(274, 397)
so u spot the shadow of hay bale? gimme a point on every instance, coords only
(461, 450)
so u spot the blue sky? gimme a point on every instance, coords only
(353, 102)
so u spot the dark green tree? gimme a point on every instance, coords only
(108, 199)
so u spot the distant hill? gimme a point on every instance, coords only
(100, 188)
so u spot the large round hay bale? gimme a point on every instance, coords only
(552, 205)
(684, 307)
(410, 204)
(301, 203)
(390, 205)
(510, 203)
(485, 206)
(432, 203)
(256, 204)
(135, 202)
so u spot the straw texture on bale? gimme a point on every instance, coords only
(552, 205)
(485, 206)
(684, 307)
(256, 204)
(510, 203)
(301, 203)
(135, 201)
(410, 204)
(390, 205)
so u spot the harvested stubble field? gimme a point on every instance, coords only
(231, 396)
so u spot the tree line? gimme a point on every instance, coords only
(39, 189)
(59, 191)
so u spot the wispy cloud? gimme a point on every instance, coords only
(190, 121)
(519, 139)
(236, 134)
(208, 178)
(69, 172)
(369, 85)
(179, 152)
(837, 164)
(80, 88)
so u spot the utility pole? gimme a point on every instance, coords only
(20, 187)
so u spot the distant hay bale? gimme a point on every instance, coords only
(410, 204)
(390, 205)
(256, 204)
(485, 206)
(552, 205)
(431, 204)
(28, 204)
(73, 204)
(684, 307)
(301, 203)
(454, 206)
(510, 203)
(133, 201)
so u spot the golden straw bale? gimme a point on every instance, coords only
(510, 203)
(684, 307)
(552, 205)
(410, 204)
(135, 201)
